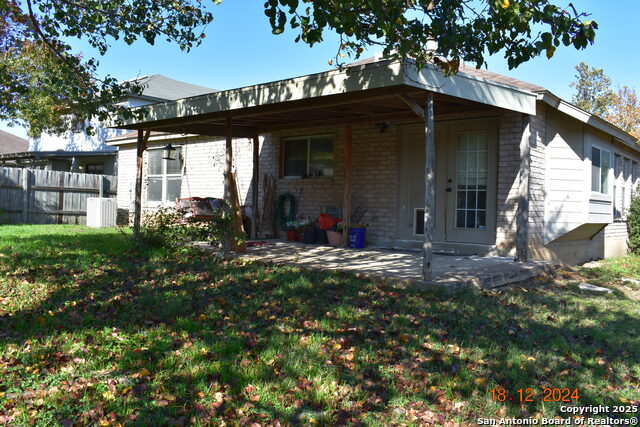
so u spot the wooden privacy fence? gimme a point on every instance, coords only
(36, 196)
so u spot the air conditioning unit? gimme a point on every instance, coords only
(101, 212)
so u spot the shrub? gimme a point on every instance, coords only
(171, 227)
(633, 222)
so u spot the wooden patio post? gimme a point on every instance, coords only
(228, 165)
(429, 188)
(256, 183)
(231, 190)
(346, 203)
(522, 214)
(141, 145)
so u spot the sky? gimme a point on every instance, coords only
(240, 50)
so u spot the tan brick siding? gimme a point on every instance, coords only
(374, 173)
(537, 177)
(374, 176)
(202, 173)
(509, 136)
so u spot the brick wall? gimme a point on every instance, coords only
(537, 177)
(511, 128)
(374, 173)
(202, 174)
(509, 136)
(204, 164)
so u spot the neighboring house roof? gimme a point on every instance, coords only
(163, 88)
(10, 143)
(156, 88)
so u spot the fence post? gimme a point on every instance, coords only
(25, 196)
(60, 217)
(102, 185)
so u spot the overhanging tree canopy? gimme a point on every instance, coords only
(47, 85)
(464, 30)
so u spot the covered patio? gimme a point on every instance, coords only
(376, 93)
(449, 272)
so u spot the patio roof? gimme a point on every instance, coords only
(363, 93)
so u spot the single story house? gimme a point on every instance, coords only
(96, 162)
(490, 164)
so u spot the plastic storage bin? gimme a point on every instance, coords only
(357, 237)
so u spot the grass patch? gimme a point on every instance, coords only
(93, 331)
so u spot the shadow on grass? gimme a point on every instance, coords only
(177, 337)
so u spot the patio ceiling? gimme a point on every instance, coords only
(369, 93)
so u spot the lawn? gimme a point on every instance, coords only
(93, 331)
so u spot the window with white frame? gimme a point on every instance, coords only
(600, 166)
(626, 203)
(618, 192)
(308, 157)
(164, 177)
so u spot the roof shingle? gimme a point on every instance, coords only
(10, 143)
(168, 89)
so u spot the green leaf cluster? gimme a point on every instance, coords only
(171, 227)
(464, 31)
(593, 90)
(633, 222)
(48, 87)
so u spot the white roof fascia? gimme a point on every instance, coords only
(312, 86)
(473, 88)
(588, 118)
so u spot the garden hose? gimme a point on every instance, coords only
(291, 216)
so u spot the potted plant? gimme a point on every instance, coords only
(334, 235)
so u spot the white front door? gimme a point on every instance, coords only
(466, 153)
(471, 183)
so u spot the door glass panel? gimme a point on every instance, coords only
(460, 218)
(471, 180)
(482, 219)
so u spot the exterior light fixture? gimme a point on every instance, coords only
(168, 152)
(382, 126)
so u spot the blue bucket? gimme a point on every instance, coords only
(357, 237)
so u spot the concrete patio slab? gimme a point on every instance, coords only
(449, 271)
